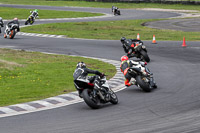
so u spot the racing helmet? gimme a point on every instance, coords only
(124, 58)
(0, 18)
(36, 10)
(122, 39)
(81, 65)
(15, 19)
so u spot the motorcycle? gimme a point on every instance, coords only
(10, 32)
(116, 11)
(143, 78)
(30, 19)
(140, 50)
(95, 97)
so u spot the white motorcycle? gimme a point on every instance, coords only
(143, 78)
(11, 31)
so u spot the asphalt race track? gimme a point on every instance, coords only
(172, 108)
(192, 25)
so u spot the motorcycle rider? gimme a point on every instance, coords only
(34, 13)
(125, 65)
(1, 23)
(9, 24)
(81, 72)
(114, 8)
(129, 46)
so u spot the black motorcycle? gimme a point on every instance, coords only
(143, 78)
(140, 50)
(10, 32)
(95, 97)
(116, 11)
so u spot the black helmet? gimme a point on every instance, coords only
(81, 65)
(122, 39)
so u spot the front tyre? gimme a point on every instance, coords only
(12, 34)
(145, 56)
(113, 98)
(141, 82)
(26, 22)
(90, 100)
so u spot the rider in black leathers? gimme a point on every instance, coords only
(129, 46)
(81, 72)
(15, 21)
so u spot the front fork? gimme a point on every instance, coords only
(7, 30)
(152, 81)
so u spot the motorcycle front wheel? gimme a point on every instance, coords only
(12, 35)
(140, 81)
(145, 56)
(90, 100)
(113, 98)
(26, 22)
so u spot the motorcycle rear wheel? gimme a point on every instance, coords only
(92, 102)
(145, 86)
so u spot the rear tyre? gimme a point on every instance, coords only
(92, 102)
(145, 56)
(145, 86)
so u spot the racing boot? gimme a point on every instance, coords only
(129, 83)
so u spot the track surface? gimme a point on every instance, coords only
(173, 107)
(177, 24)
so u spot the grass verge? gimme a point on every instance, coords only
(101, 4)
(27, 76)
(10, 13)
(111, 30)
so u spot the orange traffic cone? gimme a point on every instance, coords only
(184, 44)
(138, 36)
(154, 39)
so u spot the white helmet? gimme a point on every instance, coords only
(81, 65)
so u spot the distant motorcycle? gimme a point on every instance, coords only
(95, 97)
(143, 77)
(116, 11)
(10, 32)
(30, 20)
(140, 50)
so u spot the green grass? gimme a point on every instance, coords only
(27, 76)
(111, 30)
(10, 13)
(101, 4)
